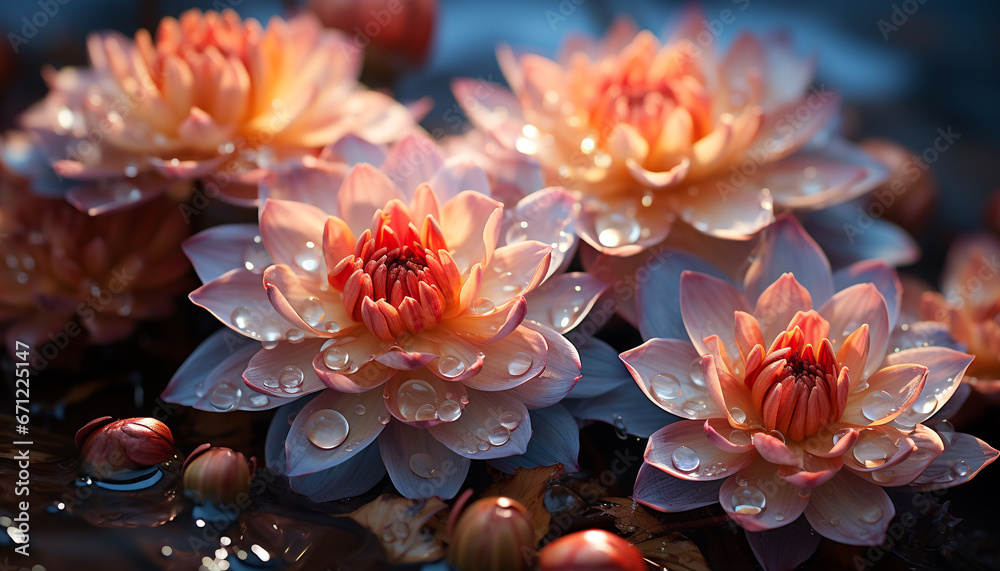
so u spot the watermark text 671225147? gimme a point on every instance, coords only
(21, 525)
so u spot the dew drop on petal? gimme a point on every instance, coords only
(697, 376)
(877, 405)
(925, 404)
(199, 390)
(665, 387)
(335, 358)
(483, 446)
(498, 436)
(885, 476)
(423, 465)
(749, 500)
(225, 397)
(519, 364)
(384, 418)
(240, 318)
(311, 311)
(414, 395)
(290, 379)
(449, 410)
(960, 469)
(685, 459)
(779, 517)
(509, 420)
(359, 409)
(327, 428)
(450, 366)
(834, 522)
(694, 406)
(616, 229)
(425, 412)
(738, 415)
(740, 438)
(482, 306)
(295, 335)
(255, 257)
(871, 513)
(259, 400)
(873, 448)
(307, 259)
(567, 308)
(946, 430)
(270, 382)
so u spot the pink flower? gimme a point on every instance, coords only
(108, 447)
(394, 34)
(969, 306)
(647, 132)
(211, 97)
(67, 273)
(387, 291)
(795, 403)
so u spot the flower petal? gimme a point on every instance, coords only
(562, 370)
(945, 370)
(547, 216)
(879, 273)
(471, 226)
(238, 299)
(669, 371)
(601, 371)
(481, 417)
(779, 303)
(285, 362)
(555, 439)
(658, 296)
(890, 391)
(220, 249)
(563, 301)
(365, 190)
(625, 408)
(419, 466)
(662, 491)
(516, 270)
(412, 161)
(304, 302)
(287, 228)
(309, 181)
(847, 310)
(305, 457)
(850, 510)
(963, 458)
(929, 447)
(458, 174)
(351, 478)
(522, 352)
(785, 247)
(683, 450)
(785, 547)
(708, 307)
(782, 501)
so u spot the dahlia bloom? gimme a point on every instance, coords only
(647, 133)
(210, 97)
(969, 306)
(795, 404)
(68, 274)
(390, 293)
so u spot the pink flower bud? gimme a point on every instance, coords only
(590, 550)
(493, 534)
(108, 447)
(217, 474)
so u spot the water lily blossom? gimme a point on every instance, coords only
(210, 96)
(385, 291)
(648, 132)
(795, 404)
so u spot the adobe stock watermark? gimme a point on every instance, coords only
(899, 16)
(33, 23)
(910, 173)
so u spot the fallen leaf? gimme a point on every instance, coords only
(675, 552)
(528, 486)
(401, 526)
(631, 518)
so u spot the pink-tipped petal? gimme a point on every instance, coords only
(782, 502)
(516, 270)
(471, 225)
(890, 391)
(929, 447)
(484, 410)
(365, 190)
(852, 307)
(708, 307)
(238, 299)
(963, 458)
(945, 370)
(562, 371)
(779, 303)
(219, 249)
(785, 247)
(850, 510)
(876, 272)
(669, 371)
(684, 450)
(562, 302)
(285, 370)
(287, 229)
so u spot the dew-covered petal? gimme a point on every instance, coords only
(664, 492)
(850, 308)
(670, 372)
(785, 247)
(418, 465)
(562, 302)
(463, 436)
(516, 270)
(285, 370)
(220, 249)
(684, 450)
(555, 439)
(890, 391)
(305, 456)
(238, 299)
(562, 371)
(764, 500)
(929, 447)
(963, 458)
(861, 510)
(945, 370)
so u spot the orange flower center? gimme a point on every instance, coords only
(796, 386)
(398, 279)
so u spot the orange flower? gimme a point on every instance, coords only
(211, 94)
(649, 132)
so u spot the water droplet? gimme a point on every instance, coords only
(749, 500)
(616, 229)
(871, 513)
(414, 398)
(884, 476)
(685, 459)
(946, 431)
(877, 405)
(312, 311)
(778, 434)
(359, 409)
(449, 410)
(834, 522)
(259, 400)
(779, 517)
(697, 376)
(335, 358)
(240, 318)
(423, 465)
(131, 169)
(384, 418)
(925, 404)
(327, 428)
(483, 446)
(225, 397)
(307, 259)
(464, 400)
(567, 308)
(331, 327)
(509, 420)
(738, 415)
(518, 232)
(450, 366)
(499, 435)
(270, 382)
(740, 438)
(291, 379)
(694, 406)
(199, 390)
(520, 363)
(295, 335)
(873, 448)
(482, 306)
(960, 469)
(665, 387)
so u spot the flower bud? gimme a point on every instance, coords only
(492, 534)
(909, 194)
(217, 475)
(590, 550)
(107, 447)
